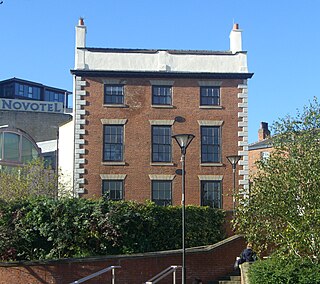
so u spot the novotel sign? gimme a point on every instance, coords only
(33, 106)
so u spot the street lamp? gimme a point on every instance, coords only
(183, 141)
(234, 161)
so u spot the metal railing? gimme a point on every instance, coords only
(112, 268)
(171, 269)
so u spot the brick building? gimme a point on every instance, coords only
(129, 102)
(260, 149)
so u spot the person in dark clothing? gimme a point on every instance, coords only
(248, 255)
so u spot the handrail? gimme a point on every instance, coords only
(164, 273)
(97, 274)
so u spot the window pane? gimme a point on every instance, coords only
(161, 143)
(36, 94)
(210, 144)
(209, 96)
(211, 194)
(113, 143)
(8, 91)
(113, 189)
(161, 192)
(114, 94)
(161, 95)
(11, 146)
(30, 92)
(52, 96)
(20, 89)
(28, 152)
(61, 98)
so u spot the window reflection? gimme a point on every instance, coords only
(54, 96)
(16, 148)
(26, 91)
(28, 151)
(11, 146)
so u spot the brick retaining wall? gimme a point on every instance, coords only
(207, 263)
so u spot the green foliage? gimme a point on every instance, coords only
(283, 209)
(32, 179)
(46, 228)
(199, 218)
(284, 271)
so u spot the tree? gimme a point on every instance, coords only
(32, 179)
(283, 208)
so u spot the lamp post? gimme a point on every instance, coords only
(56, 127)
(234, 161)
(57, 160)
(183, 141)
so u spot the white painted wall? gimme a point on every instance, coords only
(66, 146)
(161, 61)
(235, 39)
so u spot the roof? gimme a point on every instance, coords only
(22, 81)
(162, 74)
(263, 144)
(151, 51)
(48, 146)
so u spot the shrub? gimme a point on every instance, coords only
(44, 228)
(284, 271)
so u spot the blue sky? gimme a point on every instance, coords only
(282, 38)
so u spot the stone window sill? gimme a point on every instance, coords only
(113, 163)
(162, 164)
(115, 106)
(211, 165)
(210, 107)
(162, 106)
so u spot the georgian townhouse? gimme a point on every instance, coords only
(129, 102)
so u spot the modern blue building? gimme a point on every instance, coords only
(15, 88)
(30, 116)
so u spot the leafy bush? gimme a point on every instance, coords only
(282, 211)
(44, 228)
(33, 179)
(284, 271)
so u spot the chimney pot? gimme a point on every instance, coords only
(235, 26)
(81, 31)
(81, 22)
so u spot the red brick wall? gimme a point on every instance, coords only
(253, 157)
(137, 152)
(207, 263)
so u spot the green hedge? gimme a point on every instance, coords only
(46, 228)
(284, 271)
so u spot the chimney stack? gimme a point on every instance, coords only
(263, 132)
(81, 31)
(235, 39)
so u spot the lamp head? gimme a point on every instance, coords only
(183, 141)
(233, 160)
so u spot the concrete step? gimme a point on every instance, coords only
(229, 282)
(233, 280)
